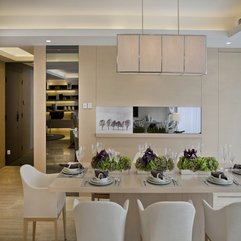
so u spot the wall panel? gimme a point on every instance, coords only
(114, 89)
(230, 101)
(39, 92)
(210, 128)
(87, 94)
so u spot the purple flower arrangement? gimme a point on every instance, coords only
(190, 153)
(101, 156)
(190, 161)
(148, 156)
(151, 161)
(110, 160)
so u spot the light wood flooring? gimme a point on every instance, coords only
(11, 211)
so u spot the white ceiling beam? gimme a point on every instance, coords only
(234, 30)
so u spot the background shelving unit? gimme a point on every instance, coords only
(58, 98)
(62, 87)
(61, 105)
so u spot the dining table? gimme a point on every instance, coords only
(133, 185)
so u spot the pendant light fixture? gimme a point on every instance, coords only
(165, 54)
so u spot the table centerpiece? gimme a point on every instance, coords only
(110, 160)
(151, 161)
(190, 163)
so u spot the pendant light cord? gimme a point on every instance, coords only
(142, 21)
(178, 23)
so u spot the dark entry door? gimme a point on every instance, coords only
(19, 114)
(13, 113)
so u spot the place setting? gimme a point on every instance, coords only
(72, 169)
(157, 177)
(219, 178)
(102, 178)
(236, 169)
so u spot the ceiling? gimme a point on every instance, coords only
(95, 22)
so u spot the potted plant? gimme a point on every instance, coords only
(110, 160)
(190, 163)
(151, 161)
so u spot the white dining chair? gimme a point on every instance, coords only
(100, 221)
(222, 224)
(39, 203)
(167, 221)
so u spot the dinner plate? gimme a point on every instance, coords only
(158, 181)
(101, 182)
(219, 181)
(237, 171)
(73, 171)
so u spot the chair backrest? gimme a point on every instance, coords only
(38, 201)
(223, 224)
(167, 221)
(32, 177)
(100, 221)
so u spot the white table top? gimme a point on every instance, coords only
(134, 183)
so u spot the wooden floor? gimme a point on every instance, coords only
(11, 211)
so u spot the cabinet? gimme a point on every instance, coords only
(222, 199)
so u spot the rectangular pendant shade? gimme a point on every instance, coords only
(150, 53)
(172, 54)
(195, 54)
(128, 53)
(167, 54)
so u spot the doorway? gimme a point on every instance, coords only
(19, 114)
(62, 91)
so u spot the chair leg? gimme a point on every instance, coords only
(34, 230)
(92, 197)
(56, 230)
(206, 237)
(64, 221)
(25, 229)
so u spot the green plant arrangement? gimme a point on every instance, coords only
(104, 160)
(153, 128)
(150, 161)
(138, 128)
(190, 161)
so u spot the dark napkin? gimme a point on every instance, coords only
(101, 174)
(219, 175)
(157, 174)
(72, 165)
(237, 166)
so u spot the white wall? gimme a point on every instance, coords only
(217, 93)
(39, 89)
(230, 101)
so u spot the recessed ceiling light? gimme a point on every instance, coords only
(228, 42)
(48, 41)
